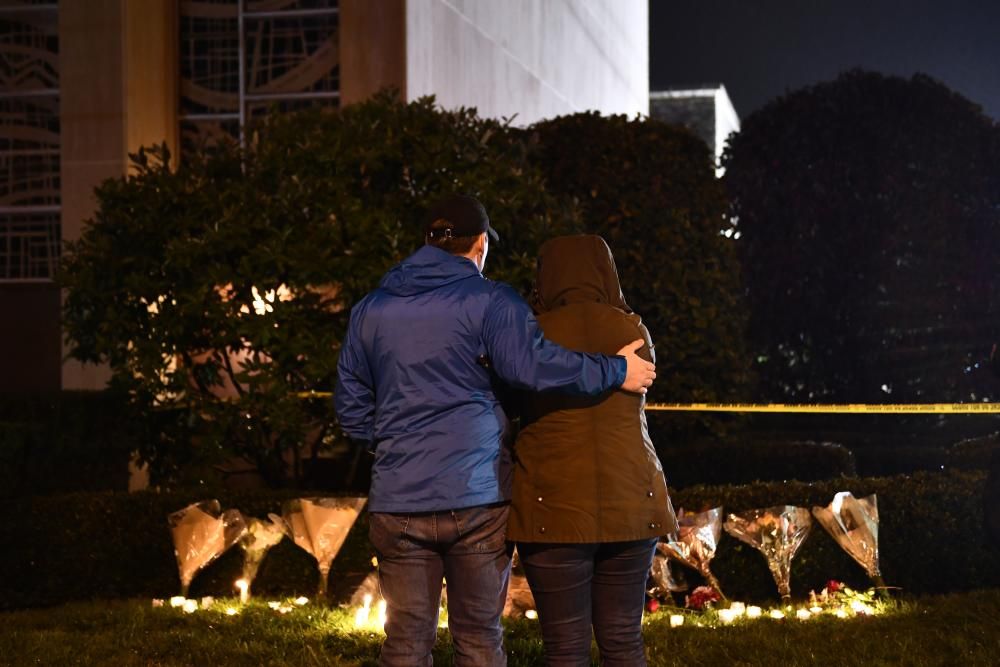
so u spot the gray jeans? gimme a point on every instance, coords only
(467, 548)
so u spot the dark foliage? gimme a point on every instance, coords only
(61, 442)
(931, 535)
(743, 462)
(870, 240)
(219, 292)
(102, 545)
(650, 190)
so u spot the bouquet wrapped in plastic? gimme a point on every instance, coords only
(320, 526)
(777, 532)
(257, 540)
(853, 523)
(662, 580)
(202, 532)
(696, 542)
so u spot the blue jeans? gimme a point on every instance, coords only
(579, 586)
(466, 547)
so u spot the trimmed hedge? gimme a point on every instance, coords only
(969, 454)
(108, 545)
(114, 545)
(931, 527)
(63, 442)
(729, 463)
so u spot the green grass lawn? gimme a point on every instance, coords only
(944, 630)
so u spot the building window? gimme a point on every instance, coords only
(243, 58)
(29, 141)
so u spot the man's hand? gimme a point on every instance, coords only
(640, 373)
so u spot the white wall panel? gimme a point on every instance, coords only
(532, 58)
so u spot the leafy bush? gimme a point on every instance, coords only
(715, 463)
(222, 289)
(931, 533)
(869, 241)
(650, 190)
(973, 454)
(62, 442)
(115, 545)
(110, 545)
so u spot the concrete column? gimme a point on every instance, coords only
(118, 73)
(372, 48)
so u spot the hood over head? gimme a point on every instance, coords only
(573, 269)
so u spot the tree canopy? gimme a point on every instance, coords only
(650, 190)
(219, 293)
(869, 215)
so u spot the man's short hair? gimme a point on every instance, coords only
(440, 234)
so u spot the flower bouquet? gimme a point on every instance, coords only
(777, 532)
(320, 526)
(853, 524)
(696, 542)
(202, 532)
(257, 540)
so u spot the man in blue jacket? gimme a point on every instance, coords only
(415, 382)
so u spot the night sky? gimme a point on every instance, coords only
(762, 48)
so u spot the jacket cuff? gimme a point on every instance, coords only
(622, 369)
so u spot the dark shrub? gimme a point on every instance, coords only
(105, 545)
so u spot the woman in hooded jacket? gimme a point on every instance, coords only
(590, 499)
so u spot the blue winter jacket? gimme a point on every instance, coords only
(413, 381)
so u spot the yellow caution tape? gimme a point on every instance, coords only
(839, 408)
(813, 408)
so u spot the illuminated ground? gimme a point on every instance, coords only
(947, 630)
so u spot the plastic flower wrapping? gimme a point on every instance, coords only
(259, 537)
(660, 576)
(320, 526)
(853, 523)
(519, 597)
(202, 532)
(696, 542)
(777, 532)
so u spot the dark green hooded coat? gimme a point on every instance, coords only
(585, 469)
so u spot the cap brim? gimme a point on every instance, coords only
(493, 233)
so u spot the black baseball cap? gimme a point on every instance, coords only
(465, 216)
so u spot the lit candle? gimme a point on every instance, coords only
(361, 615)
(207, 601)
(860, 607)
(738, 608)
(231, 611)
(532, 614)
(816, 610)
(244, 587)
(177, 601)
(776, 614)
(676, 620)
(727, 616)
(803, 614)
(157, 602)
(190, 606)
(380, 615)
(301, 600)
(840, 613)
(753, 611)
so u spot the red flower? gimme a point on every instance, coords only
(834, 586)
(702, 597)
(652, 605)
